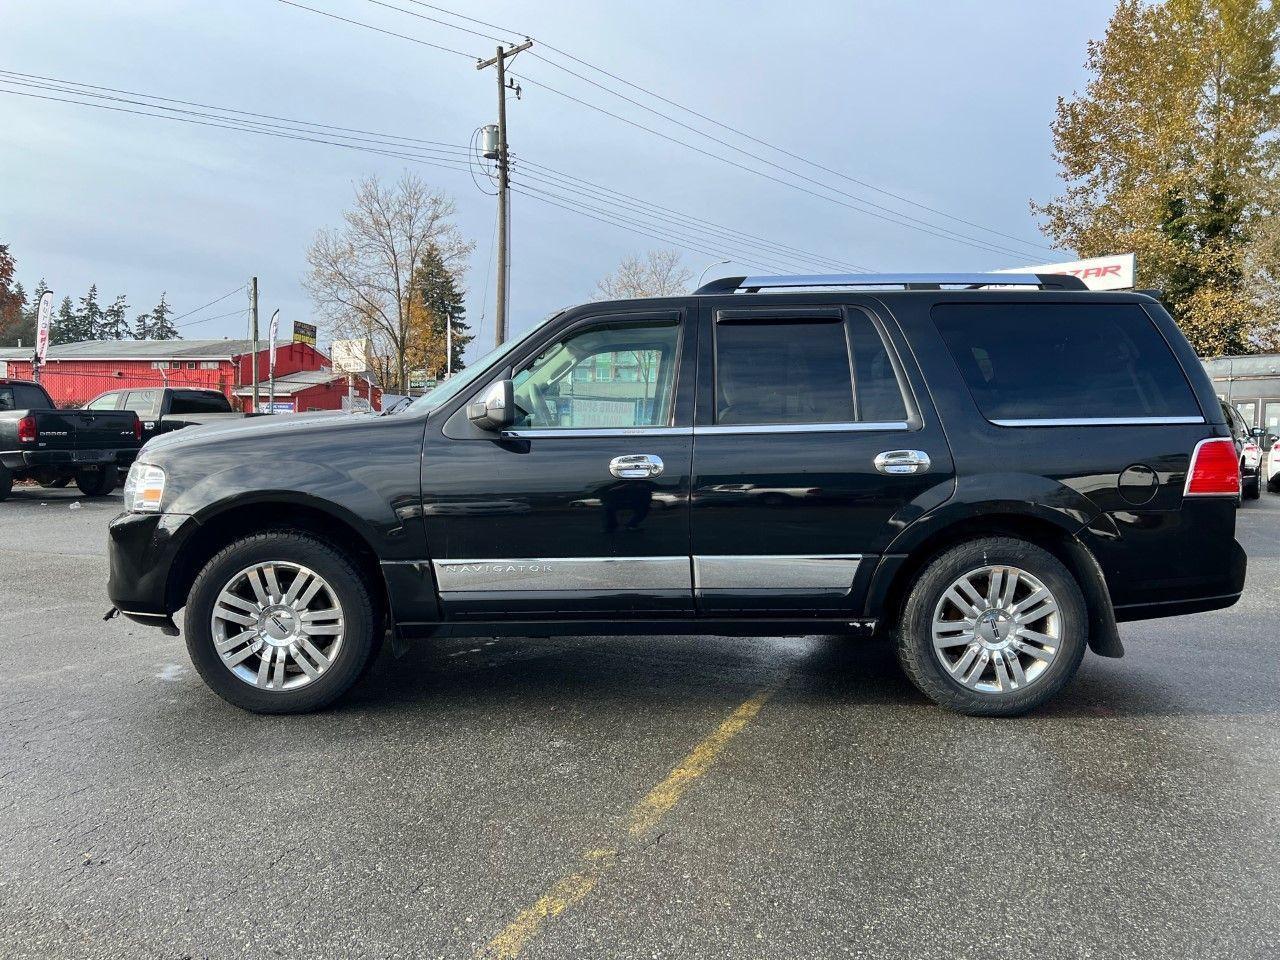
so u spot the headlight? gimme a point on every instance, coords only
(144, 488)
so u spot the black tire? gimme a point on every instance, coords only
(96, 483)
(362, 620)
(6, 483)
(56, 484)
(1252, 487)
(915, 632)
(1273, 485)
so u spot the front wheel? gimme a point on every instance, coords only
(6, 483)
(993, 627)
(280, 622)
(1251, 489)
(96, 483)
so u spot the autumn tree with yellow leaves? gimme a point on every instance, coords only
(1172, 152)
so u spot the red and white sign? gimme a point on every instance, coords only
(1098, 273)
(44, 317)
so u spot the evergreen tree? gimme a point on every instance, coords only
(159, 326)
(65, 327)
(88, 318)
(141, 326)
(439, 302)
(12, 297)
(115, 322)
(25, 330)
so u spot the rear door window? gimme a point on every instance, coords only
(803, 370)
(191, 401)
(1060, 361)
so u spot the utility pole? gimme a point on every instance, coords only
(253, 322)
(504, 199)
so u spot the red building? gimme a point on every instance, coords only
(75, 373)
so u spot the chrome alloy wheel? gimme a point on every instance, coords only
(277, 625)
(997, 629)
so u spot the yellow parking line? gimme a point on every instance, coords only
(646, 815)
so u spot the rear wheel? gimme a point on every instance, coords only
(1251, 488)
(994, 627)
(96, 483)
(280, 622)
(6, 483)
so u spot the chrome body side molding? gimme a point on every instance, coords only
(818, 573)
(536, 574)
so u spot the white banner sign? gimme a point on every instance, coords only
(272, 333)
(44, 316)
(1098, 273)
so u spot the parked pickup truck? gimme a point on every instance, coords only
(40, 442)
(168, 409)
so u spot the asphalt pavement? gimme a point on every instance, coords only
(631, 797)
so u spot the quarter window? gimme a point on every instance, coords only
(1059, 361)
(614, 375)
(107, 401)
(798, 371)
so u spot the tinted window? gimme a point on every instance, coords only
(145, 403)
(782, 371)
(620, 375)
(190, 401)
(875, 384)
(22, 396)
(1064, 361)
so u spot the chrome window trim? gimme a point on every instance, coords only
(869, 426)
(1097, 421)
(592, 432)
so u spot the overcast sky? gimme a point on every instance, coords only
(947, 105)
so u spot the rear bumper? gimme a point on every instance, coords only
(69, 460)
(141, 548)
(1170, 563)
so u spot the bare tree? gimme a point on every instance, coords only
(360, 274)
(659, 274)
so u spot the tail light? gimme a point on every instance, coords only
(137, 429)
(27, 430)
(1215, 471)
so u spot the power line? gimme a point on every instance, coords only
(440, 162)
(607, 192)
(216, 121)
(669, 224)
(948, 235)
(246, 113)
(369, 26)
(221, 316)
(631, 226)
(724, 126)
(253, 126)
(209, 304)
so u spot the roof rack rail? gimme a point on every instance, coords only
(908, 281)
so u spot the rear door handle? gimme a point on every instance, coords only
(636, 466)
(902, 461)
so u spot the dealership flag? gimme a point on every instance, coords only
(42, 325)
(271, 336)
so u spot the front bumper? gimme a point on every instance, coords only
(142, 548)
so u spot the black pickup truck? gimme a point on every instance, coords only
(163, 410)
(40, 442)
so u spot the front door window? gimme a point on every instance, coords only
(609, 376)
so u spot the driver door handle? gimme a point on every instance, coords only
(636, 466)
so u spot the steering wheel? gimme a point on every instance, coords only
(541, 408)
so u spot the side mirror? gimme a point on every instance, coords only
(1257, 433)
(495, 409)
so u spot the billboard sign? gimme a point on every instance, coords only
(44, 317)
(351, 356)
(1098, 273)
(304, 333)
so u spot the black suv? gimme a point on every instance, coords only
(992, 469)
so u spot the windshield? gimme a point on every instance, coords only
(446, 390)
